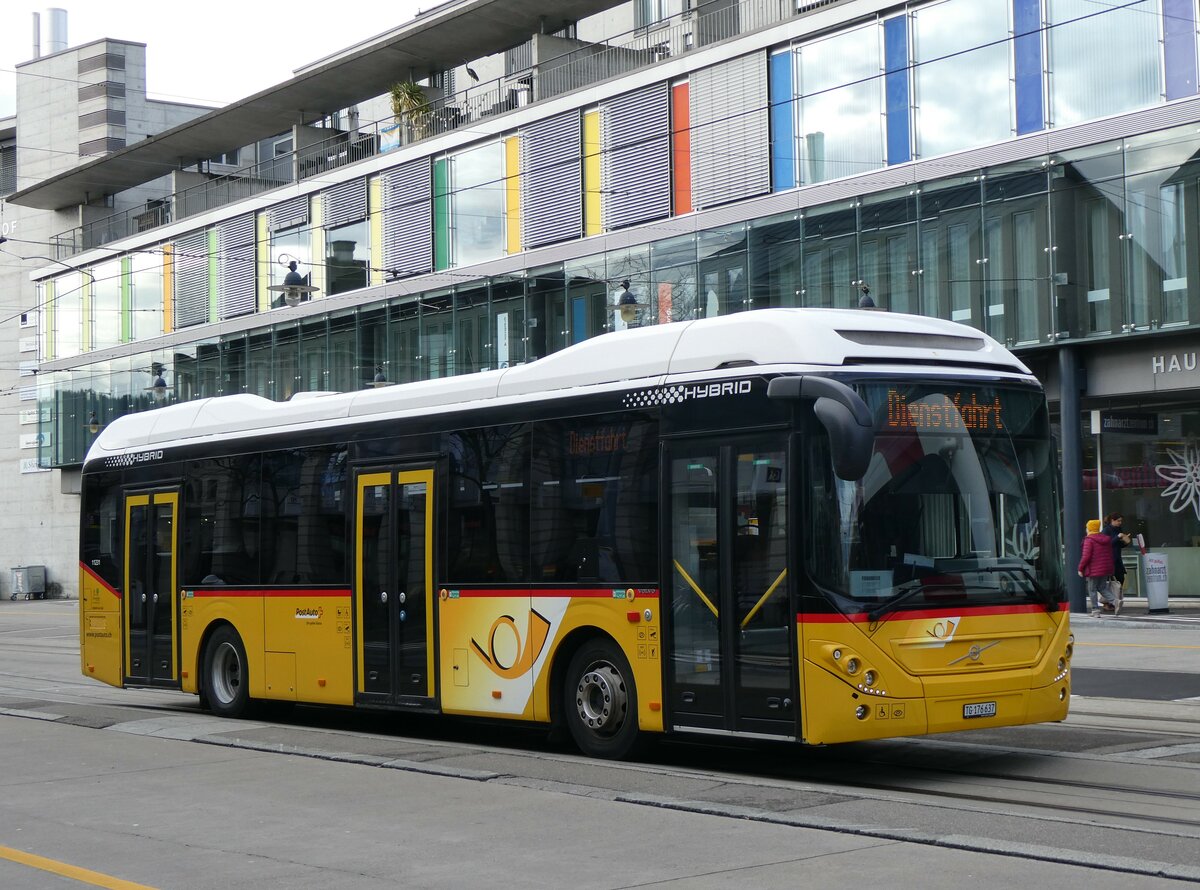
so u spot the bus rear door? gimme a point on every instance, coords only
(730, 638)
(394, 586)
(151, 591)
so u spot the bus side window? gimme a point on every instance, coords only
(489, 505)
(303, 522)
(101, 530)
(595, 502)
(222, 499)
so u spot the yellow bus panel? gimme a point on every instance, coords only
(904, 676)
(100, 652)
(298, 645)
(498, 648)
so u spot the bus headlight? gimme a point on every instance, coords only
(869, 678)
(861, 712)
(851, 666)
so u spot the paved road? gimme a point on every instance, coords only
(143, 786)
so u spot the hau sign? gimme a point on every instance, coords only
(1173, 362)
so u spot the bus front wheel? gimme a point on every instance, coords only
(600, 701)
(226, 684)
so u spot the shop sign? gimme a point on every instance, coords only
(1170, 363)
(1129, 422)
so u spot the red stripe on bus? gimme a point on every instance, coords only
(217, 593)
(101, 581)
(605, 593)
(862, 617)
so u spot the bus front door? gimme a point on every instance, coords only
(731, 635)
(151, 592)
(394, 586)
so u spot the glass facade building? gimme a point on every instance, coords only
(1030, 168)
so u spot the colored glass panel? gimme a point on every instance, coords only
(783, 126)
(681, 149)
(1027, 55)
(895, 51)
(1179, 47)
(592, 196)
(441, 215)
(512, 193)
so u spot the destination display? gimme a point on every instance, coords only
(944, 412)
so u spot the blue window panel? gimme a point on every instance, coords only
(1027, 53)
(579, 331)
(783, 123)
(895, 63)
(1179, 47)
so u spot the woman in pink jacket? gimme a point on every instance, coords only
(1097, 567)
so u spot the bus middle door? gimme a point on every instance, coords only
(393, 575)
(151, 591)
(730, 639)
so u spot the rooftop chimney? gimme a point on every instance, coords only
(56, 40)
(37, 36)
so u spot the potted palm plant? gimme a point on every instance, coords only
(410, 107)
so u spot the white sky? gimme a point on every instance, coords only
(207, 53)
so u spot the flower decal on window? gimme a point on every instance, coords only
(1183, 477)
(1023, 541)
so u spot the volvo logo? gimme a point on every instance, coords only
(975, 652)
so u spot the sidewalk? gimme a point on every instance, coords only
(1180, 610)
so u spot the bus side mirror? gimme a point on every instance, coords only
(844, 415)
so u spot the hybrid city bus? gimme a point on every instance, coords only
(802, 524)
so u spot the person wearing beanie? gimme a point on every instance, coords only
(1096, 567)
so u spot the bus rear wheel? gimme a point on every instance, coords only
(226, 682)
(600, 702)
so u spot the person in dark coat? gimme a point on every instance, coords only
(1114, 528)
(1096, 566)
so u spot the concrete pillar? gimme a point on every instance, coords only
(1072, 471)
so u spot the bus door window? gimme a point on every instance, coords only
(696, 576)
(138, 582)
(412, 548)
(760, 570)
(375, 556)
(164, 564)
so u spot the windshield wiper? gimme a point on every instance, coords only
(1040, 593)
(889, 605)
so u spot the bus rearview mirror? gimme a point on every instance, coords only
(844, 415)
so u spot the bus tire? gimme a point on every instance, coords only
(600, 701)
(226, 680)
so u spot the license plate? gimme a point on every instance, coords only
(980, 709)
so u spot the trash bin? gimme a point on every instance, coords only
(29, 582)
(1154, 577)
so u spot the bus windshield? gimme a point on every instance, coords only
(958, 505)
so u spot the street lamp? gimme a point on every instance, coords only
(380, 380)
(158, 386)
(627, 304)
(294, 288)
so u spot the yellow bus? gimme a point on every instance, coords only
(801, 524)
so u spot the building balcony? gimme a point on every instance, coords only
(553, 66)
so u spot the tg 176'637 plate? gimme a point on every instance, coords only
(980, 709)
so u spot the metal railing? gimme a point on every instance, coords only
(543, 79)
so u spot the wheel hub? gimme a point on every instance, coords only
(601, 699)
(226, 673)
